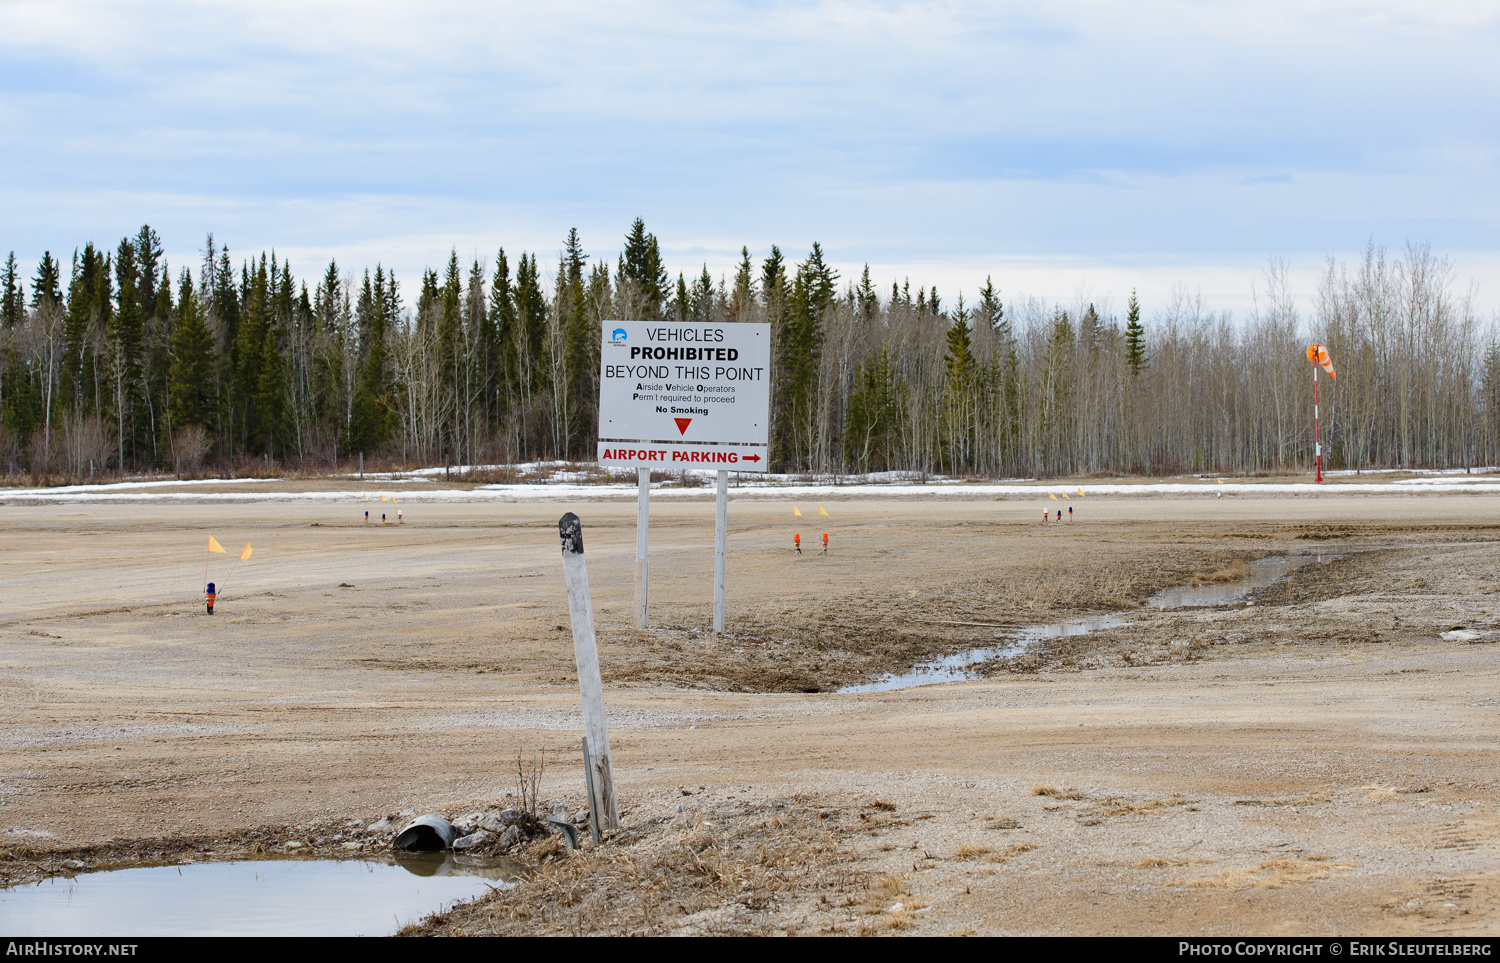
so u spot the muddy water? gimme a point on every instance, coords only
(963, 665)
(285, 897)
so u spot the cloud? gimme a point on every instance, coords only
(897, 132)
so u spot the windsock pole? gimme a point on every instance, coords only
(1317, 438)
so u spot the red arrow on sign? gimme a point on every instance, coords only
(751, 458)
(682, 424)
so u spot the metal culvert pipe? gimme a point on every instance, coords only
(425, 834)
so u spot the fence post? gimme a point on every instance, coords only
(586, 653)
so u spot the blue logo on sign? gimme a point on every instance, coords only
(618, 336)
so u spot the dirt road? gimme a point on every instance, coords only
(1322, 761)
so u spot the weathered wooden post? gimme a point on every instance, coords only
(586, 653)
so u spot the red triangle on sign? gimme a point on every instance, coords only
(682, 424)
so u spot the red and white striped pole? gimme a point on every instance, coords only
(1317, 439)
(1318, 355)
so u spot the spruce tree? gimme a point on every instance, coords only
(502, 313)
(147, 253)
(703, 297)
(450, 353)
(744, 286)
(581, 347)
(14, 298)
(682, 303)
(990, 311)
(1135, 338)
(127, 336)
(641, 269)
(191, 378)
(46, 287)
(868, 300)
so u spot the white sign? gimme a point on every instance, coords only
(674, 395)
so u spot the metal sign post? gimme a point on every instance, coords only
(681, 395)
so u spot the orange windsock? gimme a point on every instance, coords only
(1318, 355)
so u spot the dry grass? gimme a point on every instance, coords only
(1011, 853)
(1118, 806)
(1271, 874)
(1159, 862)
(1312, 797)
(1057, 793)
(724, 875)
(1163, 862)
(1377, 791)
(968, 852)
(1231, 571)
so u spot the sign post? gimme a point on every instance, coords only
(642, 528)
(684, 395)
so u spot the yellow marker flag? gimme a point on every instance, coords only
(1065, 494)
(820, 510)
(384, 499)
(1052, 496)
(213, 545)
(1220, 481)
(796, 511)
(1080, 493)
(246, 553)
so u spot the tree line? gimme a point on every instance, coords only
(110, 363)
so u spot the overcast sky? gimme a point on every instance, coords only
(1061, 148)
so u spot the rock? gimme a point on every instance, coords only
(295, 844)
(510, 837)
(557, 807)
(1460, 635)
(496, 822)
(464, 825)
(73, 864)
(472, 840)
(581, 817)
(353, 846)
(383, 825)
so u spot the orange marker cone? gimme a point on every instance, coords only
(825, 543)
(797, 542)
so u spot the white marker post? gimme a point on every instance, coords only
(675, 395)
(642, 534)
(721, 539)
(586, 653)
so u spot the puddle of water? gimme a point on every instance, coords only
(960, 666)
(283, 897)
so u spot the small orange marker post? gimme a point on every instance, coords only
(825, 543)
(797, 542)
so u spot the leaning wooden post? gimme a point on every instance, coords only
(642, 537)
(721, 539)
(581, 610)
